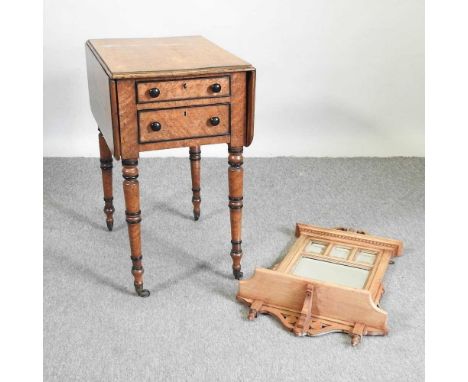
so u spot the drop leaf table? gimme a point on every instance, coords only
(160, 93)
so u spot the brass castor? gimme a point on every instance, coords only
(237, 274)
(110, 224)
(142, 292)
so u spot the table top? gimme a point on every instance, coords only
(146, 57)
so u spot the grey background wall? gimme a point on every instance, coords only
(335, 77)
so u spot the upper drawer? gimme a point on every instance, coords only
(184, 123)
(172, 90)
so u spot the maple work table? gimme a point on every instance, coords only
(160, 93)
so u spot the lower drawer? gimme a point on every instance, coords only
(159, 125)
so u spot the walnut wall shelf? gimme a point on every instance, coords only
(330, 281)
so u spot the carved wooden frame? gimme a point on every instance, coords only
(311, 307)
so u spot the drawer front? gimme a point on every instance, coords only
(183, 123)
(172, 90)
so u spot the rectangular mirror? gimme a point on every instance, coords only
(330, 272)
(365, 257)
(340, 252)
(314, 247)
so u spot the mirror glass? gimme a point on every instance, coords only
(314, 247)
(330, 272)
(340, 252)
(365, 257)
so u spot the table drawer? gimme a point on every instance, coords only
(159, 125)
(171, 90)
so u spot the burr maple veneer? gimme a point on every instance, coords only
(159, 93)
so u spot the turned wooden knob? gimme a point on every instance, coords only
(214, 121)
(216, 88)
(155, 126)
(154, 92)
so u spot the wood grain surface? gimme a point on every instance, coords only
(183, 89)
(100, 98)
(157, 93)
(330, 301)
(146, 57)
(183, 123)
(195, 158)
(106, 170)
(238, 106)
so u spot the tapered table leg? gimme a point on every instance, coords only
(133, 217)
(236, 184)
(106, 169)
(195, 157)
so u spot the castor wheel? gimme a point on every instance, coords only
(237, 274)
(110, 224)
(142, 292)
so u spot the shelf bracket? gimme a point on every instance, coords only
(303, 322)
(254, 309)
(358, 331)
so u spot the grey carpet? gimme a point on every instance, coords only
(191, 328)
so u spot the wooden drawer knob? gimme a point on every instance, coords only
(216, 88)
(214, 121)
(155, 126)
(154, 92)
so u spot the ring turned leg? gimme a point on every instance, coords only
(106, 169)
(133, 216)
(235, 175)
(195, 157)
